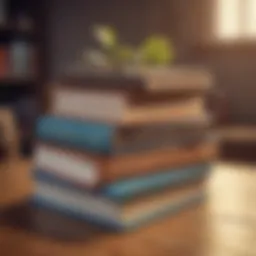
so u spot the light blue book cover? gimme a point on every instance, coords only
(130, 188)
(98, 137)
(169, 209)
(95, 137)
(122, 191)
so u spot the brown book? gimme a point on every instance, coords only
(177, 79)
(92, 170)
(4, 62)
(140, 138)
(132, 99)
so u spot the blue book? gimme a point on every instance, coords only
(121, 191)
(109, 206)
(105, 138)
(95, 137)
(119, 223)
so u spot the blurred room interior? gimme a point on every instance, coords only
(42, 41)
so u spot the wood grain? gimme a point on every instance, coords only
(224, 226)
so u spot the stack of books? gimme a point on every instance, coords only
(123, 150)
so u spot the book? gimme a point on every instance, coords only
(4, 61)
(112, 214)
(111, 139)
(121, 108)
(141, 97)
(3, 13)
(127, 189)
(20, 59)
(176, 79)
(91, 170)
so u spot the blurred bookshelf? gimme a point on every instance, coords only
(8, 33)
(16, 81)
(22, 59)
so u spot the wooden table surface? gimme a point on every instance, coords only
(224, 225)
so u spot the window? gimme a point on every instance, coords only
(236, 19)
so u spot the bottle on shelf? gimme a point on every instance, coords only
(20, 59)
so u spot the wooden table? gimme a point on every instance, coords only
(239, 143)
(225, 225)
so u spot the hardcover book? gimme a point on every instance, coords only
(176, 79)
(113, 140)
(131, 99)
(104, 211)
(92, 170)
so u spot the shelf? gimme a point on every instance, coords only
(10, 82)
(8, 33)
(10, 94)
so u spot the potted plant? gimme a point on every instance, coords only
(154, 52)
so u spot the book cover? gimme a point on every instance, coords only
(123, 190)
(90, 170)
(123, 108)
(75, 133)
(105, 138)
(114, 217)
(4, 61)
(161, 80)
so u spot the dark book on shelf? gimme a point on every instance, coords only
(19, 59)
(3, 13)
(4, 61)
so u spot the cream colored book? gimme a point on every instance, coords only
(142, 97)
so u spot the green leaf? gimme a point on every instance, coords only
(157, 50)
(106, 36)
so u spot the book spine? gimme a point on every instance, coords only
(4, 61)
(19, 59)
(96, 138)
(3, 13)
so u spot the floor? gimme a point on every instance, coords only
(224, 226)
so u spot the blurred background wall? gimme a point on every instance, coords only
(187, 22)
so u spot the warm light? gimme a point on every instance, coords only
(228, 18)
(236, 19)
(250, 18)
